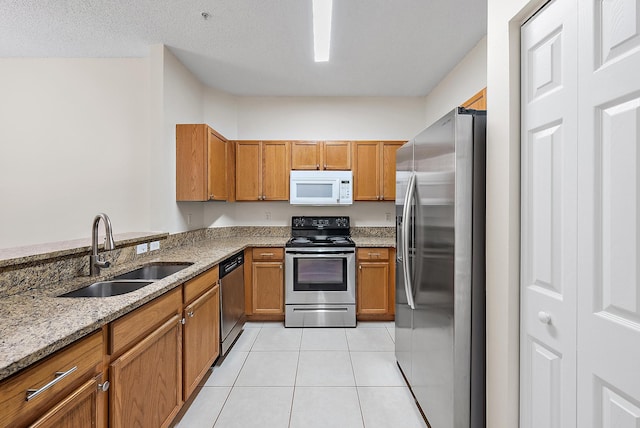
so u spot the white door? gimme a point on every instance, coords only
(608, 225)
(548, 217)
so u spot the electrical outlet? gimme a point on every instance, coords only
(267, 215)
(141, 248)
(155, 245)
(388, 216)
(189, 219)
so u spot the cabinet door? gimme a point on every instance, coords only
(388, 173)
(268, 288)
(373, 288)
(217, 167)
(82, 408)
(276, 162)
(337, 155)
(201, 335)
(248, 171)
(146, 381)
(366, 172)
(191, 162)
(305, 155)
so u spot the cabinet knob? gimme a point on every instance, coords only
(183, 321)
(104, 387)
(190, 313)
(325, 166)
(317, 166)
(360, 267)
(544, 317)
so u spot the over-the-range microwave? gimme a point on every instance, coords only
(321, 188)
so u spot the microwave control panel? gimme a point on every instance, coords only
(345, 190)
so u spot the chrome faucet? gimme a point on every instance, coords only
(95, 261)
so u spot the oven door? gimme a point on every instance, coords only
(320, 275)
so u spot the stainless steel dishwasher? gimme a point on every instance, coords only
(231, 300)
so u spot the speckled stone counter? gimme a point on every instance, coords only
(373, 242)
(36, 324)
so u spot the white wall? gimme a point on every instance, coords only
(330, 118)
(221, 112)
(182, 101)
(464, 81)
(72, 134)
(503, 213)
(280, 213)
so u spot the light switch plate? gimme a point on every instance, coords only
(141, 248)
(155, 245)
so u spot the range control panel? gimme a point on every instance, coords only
(319, 223)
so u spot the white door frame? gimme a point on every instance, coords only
(503, 208)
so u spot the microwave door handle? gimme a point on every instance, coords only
(406, 224)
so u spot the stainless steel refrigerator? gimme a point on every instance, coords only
(440, 290)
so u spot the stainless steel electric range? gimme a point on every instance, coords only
(320, 273)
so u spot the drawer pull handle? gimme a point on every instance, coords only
(267, 254)
(33, 393)
(374, 254)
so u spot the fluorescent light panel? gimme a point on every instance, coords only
(322, 29)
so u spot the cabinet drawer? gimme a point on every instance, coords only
(132, 327)
(198, 285)
(52, 377)
(268, 253)
(373, 254)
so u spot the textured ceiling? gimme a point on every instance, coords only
(260, 47)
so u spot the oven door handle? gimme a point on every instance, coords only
(319, 253)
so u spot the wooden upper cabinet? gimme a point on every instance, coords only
(321, 155)
(388, 174)
(366, 177)
(305, 155)
(374, 170)
(276, 164)
(202, 160)
(477, 102)
(337, 155)
(248, 170)
(262, 170)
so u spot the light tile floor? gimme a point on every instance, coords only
(277, 377)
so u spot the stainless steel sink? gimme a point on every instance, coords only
(129, 281)
(107, 289)
(157, 270)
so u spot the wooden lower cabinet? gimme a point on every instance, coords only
(146, 381)
(201, 335)
(54, 389)
(375, 284)
(268, 288)
(82, 408)
(264, 284)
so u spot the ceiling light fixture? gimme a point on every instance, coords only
(322, 29)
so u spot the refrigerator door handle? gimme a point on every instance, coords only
(408, 199)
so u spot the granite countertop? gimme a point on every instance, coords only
(36, 324)
(374, 241)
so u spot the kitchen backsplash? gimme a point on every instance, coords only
(20, 278)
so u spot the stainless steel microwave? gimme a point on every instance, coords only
(321, 188)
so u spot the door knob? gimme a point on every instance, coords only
(544, 317)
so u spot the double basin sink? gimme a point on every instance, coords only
(129, 281)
